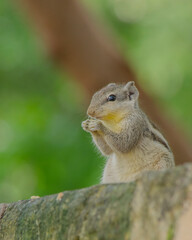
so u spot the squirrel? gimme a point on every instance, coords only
(124, 134)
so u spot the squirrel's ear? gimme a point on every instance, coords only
(131, 90)
(111, 84)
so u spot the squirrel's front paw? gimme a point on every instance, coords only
(91, 125)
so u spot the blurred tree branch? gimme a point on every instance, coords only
(78, 44)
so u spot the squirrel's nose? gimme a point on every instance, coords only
(91, 112)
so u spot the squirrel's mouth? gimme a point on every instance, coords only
(93, 114)
(107, 117)
(98, 118)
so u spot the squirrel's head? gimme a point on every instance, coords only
(114, 101)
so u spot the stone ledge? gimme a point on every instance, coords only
(156, 206)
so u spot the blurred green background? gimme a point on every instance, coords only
(43, 149)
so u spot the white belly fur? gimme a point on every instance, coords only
(127, 167)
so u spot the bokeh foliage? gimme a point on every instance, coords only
(43, 149)
(156, 37)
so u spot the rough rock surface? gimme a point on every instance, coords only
(157, 206)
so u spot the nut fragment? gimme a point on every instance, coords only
(59, 196)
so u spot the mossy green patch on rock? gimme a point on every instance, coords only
(170, 234)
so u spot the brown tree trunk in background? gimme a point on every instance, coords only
(76, 42)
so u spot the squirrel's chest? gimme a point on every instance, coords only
(122, 168)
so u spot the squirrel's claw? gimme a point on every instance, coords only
(84, 125)
(90, 125)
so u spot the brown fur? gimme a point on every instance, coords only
(123, 133)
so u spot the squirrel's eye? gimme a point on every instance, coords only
(111, 97)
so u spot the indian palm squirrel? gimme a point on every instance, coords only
(125, 135)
